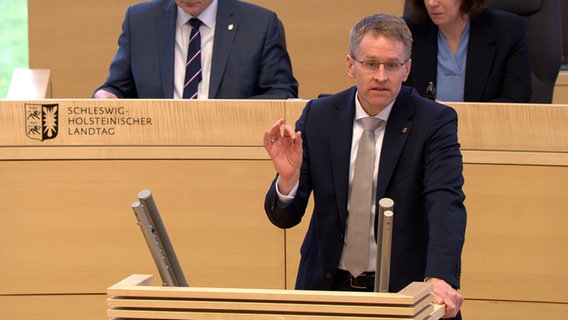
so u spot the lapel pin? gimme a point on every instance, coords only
(404, 129)
(230, 27)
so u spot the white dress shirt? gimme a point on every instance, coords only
(183, 30)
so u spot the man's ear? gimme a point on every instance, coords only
(350, 66)
(407, 67)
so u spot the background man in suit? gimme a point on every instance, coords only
(243, 52)
(418, 165)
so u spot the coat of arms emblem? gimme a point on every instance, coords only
(42, 121)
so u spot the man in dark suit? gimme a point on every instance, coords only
(243, 52)
(418, 165)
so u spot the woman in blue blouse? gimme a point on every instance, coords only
(469, 52)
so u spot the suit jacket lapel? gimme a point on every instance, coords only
(166, 25)
(398, 128)
(226, 28)
(341, 129)
(480, 55)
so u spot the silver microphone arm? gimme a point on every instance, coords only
(384, 229)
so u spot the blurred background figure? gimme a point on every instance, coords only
(468, 51)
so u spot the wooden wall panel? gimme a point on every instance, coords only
(68, 226)
(76, 40)
(516, 233)
(60, 307)
(561, 88)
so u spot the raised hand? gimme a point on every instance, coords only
(285, 149)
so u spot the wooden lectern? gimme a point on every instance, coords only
(135, 298)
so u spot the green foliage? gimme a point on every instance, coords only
(13, 40)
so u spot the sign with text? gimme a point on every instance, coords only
(91, 122)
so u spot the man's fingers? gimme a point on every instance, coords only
(451, 311)
(448, 296)
(288, 132)
(298, 140)
(272, 135)
(438, 300)
(275, 129)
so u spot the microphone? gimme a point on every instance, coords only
(431, 91)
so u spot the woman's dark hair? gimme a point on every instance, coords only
(419, 14)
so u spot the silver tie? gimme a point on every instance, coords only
(359, 225)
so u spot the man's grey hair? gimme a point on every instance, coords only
(381, 24)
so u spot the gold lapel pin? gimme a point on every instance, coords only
(404, 129)
(230, 27)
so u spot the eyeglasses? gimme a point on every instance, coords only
(372, 66)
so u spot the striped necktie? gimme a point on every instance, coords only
(193, 65)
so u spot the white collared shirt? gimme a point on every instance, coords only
(183, 30)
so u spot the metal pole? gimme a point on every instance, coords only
(385, 204)
(386, 252)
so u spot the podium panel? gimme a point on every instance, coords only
(67, 225)
(133, 299)
(119, 128)
(68, 230)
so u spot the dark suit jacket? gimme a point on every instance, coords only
(420, 169)
(497, 67)
(249, 61)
